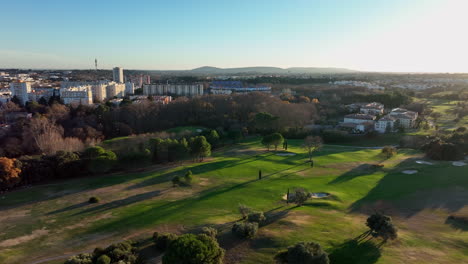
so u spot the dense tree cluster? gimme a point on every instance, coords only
(123, 252)
(303, 253)
(194, 249)
(381, 226)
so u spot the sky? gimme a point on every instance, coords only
(366, 35)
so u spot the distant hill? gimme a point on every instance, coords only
(270, 70)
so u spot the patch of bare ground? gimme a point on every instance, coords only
(12, 214)
(235, 251)
(23, 239)
(379, 206)
(421, 255)
(299, 218)
(88, 221)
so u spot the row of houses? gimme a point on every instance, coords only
(370, 118)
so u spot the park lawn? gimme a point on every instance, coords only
(55, 219)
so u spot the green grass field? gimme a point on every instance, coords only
(55, 220)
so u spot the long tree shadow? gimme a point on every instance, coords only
(355, 251)
(361, 170)
(123, 202)
(69, 208)
(439, 186)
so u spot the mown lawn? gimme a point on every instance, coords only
(55, 219)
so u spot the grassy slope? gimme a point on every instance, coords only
(139, 203)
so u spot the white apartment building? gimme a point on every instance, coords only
(36, 94)
(372, 109)
(20, 89)
(385, 124)
(117, 73)
(77, 95)
(175, 89)
(407, 119)
(129, 88)
(115, 90)
(358, 118)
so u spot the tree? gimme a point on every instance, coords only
(209, 231)
(213, 138)
(274, 139)
(194, 249)
(389, 151)
(188, 177)
(162, 241)
(9, 173)
(300, 196)
(244, 210)
(200, 148)
(311, 144)
(99, 160)
(256, 217)
(303, 253)
(265, 122)
(245, 229)
(381, 226)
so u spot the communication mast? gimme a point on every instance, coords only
(95, 63)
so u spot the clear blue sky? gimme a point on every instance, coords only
(380, 35)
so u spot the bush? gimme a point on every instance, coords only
(245, 229)
(244, 210)
(210, 231)
(99, 160)
(176, 181)
(188, 177)
(381, 226)
(389, 151)
(300, 196)
(94, 199)
(256, 217)
(308, 253)
(80, 259)
(162, 241)
(103, 259)
(194, 249)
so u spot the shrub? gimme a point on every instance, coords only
(99, 160)
(94, 199)
(176, 181)
(256, 217)
(194, 249)
(245, 229)
(103, 259)
(210, 231)
(309, 253)
(188, 177)
(300, 196)
(389, 151)
(381, 226)
(80, 259)
(9, 173)
(244, 210)
(162, 241)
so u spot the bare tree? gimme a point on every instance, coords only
(311, 144)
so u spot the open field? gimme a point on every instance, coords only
(55, 220)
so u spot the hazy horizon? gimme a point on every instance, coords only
(369, 36)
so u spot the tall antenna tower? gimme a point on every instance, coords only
(95, 63)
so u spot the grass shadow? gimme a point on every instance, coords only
(457, 222)
(69, 208)
(361, 170)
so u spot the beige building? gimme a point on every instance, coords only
(114, 89)
(77, 95)
(118, 76)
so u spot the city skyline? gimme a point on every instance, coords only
(157, 35)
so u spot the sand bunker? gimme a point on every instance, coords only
(286, 154)
(424, 162)
(410, 171)
(319, 195)
(458, 163)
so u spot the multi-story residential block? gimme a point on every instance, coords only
(129, 88)
(36, 94)
(20, 89)
(99, 91)
(76, 95)
(118, 76)
(406, 118)
(173, 89)
(228, 87)
(372, 109)
(114, 89)
(358, 118)
(385, 124)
